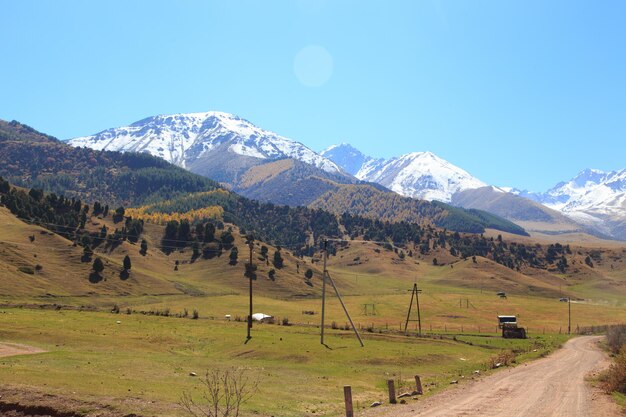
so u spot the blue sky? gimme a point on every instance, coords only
(518, 93)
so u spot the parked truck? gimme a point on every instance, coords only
(510, 329)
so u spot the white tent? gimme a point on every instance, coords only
(260, 317)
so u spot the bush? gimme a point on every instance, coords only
(195, 315)
(223, 392)
(27, 270)
(615, 378)
(616, 337)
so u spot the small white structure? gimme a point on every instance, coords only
(261, 317)
(227, 317)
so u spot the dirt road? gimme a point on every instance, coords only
(12, 349)
(552, 386)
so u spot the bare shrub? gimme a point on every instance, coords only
(616, 337)
(614, 379)
(504, 358)
(223, 393)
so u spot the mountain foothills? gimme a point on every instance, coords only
(593, 202)
(594, 198)
(152, 184)
(265, 166)
(32, 159)
(161, 261)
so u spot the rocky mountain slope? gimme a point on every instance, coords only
(591, 203)
(594, 198)
(184, 139)
(418, 175)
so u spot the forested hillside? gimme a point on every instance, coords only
(377, 203)
(32, 159)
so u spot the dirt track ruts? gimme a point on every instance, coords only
(551, 386)
(13, 349)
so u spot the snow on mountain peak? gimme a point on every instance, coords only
(182, 138)
(417, 174)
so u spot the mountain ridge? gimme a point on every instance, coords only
(183, 138)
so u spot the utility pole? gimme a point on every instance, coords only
(569, 315)
(325, 276)
(324, 292)
(415, 295)
(250, 272)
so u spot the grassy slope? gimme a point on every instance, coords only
(152, 356)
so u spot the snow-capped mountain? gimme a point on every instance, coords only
(182, 139)
(593, 197)
(419, 174)
(349, 158)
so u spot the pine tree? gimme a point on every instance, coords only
(278, 259)
(209, 232)
(127, 264)
(144, 247)
(98, 265)
(234, 254)
(196, 249)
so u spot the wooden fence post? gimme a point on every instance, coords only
(418, 385)
(392, 391)
(347, 394)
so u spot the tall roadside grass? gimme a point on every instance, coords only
(614, 380)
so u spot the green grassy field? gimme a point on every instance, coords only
(143, 363)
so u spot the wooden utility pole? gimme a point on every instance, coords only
(326, 276)
(569, 315)
(250, 275)
(324, 292)
(414, 295)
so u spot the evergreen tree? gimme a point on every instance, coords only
(234, 254)
(209, 232)
(98, 265)
(227, 239)
(308, 274)
(184, 233)
(278, 259)
(127, 264)
(144, 247)
(87, 253)
(119, 214)
(196, 249)
(562, 264)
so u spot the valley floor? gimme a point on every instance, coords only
(143, 364)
